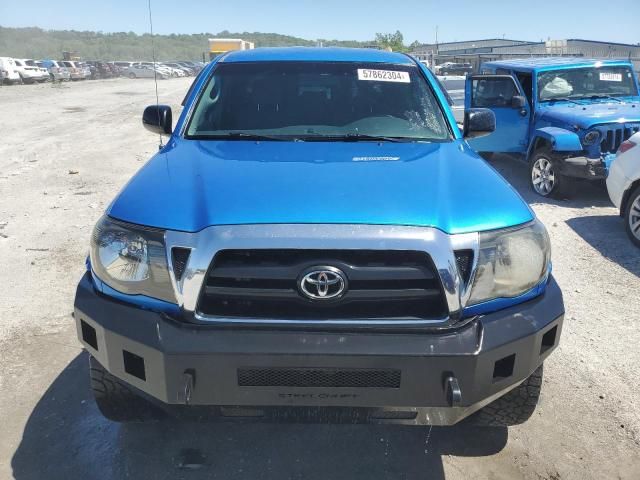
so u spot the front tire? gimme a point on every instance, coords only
(515, 407)
(116, 400)
(632, 216)
(545, 177)
(132, 75)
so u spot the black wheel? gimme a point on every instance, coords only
(515, 407)
(632, 216)
(132, 75)
(116, 400)
(546, 179)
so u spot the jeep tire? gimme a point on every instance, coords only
(515, 407)
(545, 177)
(116, 400)
(632, 216)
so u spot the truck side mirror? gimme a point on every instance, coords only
(158, 119)
(478, 122)
(518, 101)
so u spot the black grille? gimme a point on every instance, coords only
(180, 256)
(464, 261)
(264, 284)
(612, 137)
(318, 377)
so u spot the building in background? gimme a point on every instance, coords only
(218, 46)
(478, 51)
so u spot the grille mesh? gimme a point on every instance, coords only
(318, 377)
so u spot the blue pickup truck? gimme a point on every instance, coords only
(566, 117)
(317, 238)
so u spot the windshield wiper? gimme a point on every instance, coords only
(357, 137)
(241, 136)
(564, 99)
(595, 97)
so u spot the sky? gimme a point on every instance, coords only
(532, 20)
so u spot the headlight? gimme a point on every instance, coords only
(131, 259)
(510, 262)
(591, 137)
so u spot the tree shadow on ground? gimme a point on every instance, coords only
(66, 437)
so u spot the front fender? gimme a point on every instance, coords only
(561, 140)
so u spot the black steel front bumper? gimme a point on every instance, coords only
(583, 167)
(178, 363)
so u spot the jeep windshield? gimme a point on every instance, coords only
(586, 83)
(318, 101)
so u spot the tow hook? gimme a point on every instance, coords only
(188, 384)
(454, 394)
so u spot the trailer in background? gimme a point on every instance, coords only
(218, 46)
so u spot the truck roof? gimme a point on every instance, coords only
(315, 54)
(552, 63)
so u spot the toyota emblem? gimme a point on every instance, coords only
(323, 283)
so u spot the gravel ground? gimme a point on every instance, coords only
(67, 150)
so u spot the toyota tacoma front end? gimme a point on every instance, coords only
(317, 238)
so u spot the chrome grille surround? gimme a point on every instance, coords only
(438, 245)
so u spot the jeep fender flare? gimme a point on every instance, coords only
(558, 139)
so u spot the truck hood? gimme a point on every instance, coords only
(191, 185)
(586, 114)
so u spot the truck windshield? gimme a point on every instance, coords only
(590, 82)
(318, 101)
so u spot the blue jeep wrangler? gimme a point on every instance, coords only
(565, 116)
(316, 237)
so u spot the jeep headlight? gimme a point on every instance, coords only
(510, 262)
(591, 137)
(131, 259)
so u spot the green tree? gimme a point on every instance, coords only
(395, 41)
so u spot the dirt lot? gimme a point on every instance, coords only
(66, 151)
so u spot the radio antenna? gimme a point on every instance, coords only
(155, 71)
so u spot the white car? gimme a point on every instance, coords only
(175, 72)
(10, 73)
(623, 184)
(30, 73)
(142, 71)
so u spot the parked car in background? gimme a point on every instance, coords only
(29, 73)
(175, 72)
(89, 70)
(454, 86)
(456, 69)
(187, 71)
(100, 69)
(75, 70)
(143, 71)
(623, 185)
(114, 69)
(43, 72)
(565, 116)
(10, 73)
(57, 71)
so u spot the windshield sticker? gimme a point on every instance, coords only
(610, 77)
(383, 75)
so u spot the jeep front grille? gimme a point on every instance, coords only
(264, 284)
(613, 136)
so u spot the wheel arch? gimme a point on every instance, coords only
(626, 195)
(556, 139)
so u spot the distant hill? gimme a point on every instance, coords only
(33, 42)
